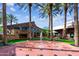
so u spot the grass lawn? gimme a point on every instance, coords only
(59, 40)
(15, 41)
(42, 39)
(1, 29)
(22, 40)
(65, 41)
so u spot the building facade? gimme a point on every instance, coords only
(21, 31)
(69, 30)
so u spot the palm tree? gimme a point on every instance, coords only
(4, 23)
(0, 16)
(65, 15)
(46, 11)
(49, 10)
(11, 19)
(65, 20)
(24, 6)
(51, 20)
(66, 7)
(0, 20)
(30, 5)
(76, 27)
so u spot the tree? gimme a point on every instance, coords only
(30, 5)
(45, 32)
(65, 16)
(45, 12)
(76, 25)
(11, 19)
(4, 23)
(0, 16)
(49, 10)
(65, 20)
(51, 20)
(65, 9)
(0, 19)
(24, 6)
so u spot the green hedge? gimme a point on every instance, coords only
(16, 40)
(22, 40)
(45, 38)
(66, 41)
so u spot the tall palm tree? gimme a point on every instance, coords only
(66, 6)
(51, 20)
(49, 25)
(30, 5)
(0, 19)
(45, 11)
(11, 19)
(76, 25)
(4, 23)
(24, 6)
(0, 16)
(65, 20)
(49, 10)
(65, 9)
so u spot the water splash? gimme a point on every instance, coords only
(41, 41)
(41, 36)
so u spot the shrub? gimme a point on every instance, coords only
(45, 38)
(0, 37)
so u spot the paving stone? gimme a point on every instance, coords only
(50, 49)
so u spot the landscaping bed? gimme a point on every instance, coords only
(59, 40)
(65, 41)
(16, 40)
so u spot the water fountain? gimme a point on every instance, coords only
(41, 45)
(41, 37)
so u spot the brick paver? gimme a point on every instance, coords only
(46, 48)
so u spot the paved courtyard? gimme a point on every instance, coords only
(46, 48)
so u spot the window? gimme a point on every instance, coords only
(24, 28)
(17, 28)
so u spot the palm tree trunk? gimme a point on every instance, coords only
(49, 26)
(4, 24)
(30, 5)
(76, 29)
(11, 27)
(51, 20)
(65, 20)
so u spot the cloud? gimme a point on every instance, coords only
(10, 4)
(40, 22)
(18, 15)
(12, 9)
(24, 19)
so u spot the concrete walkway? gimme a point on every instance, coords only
(46, 48)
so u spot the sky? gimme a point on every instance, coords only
(23, 16)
